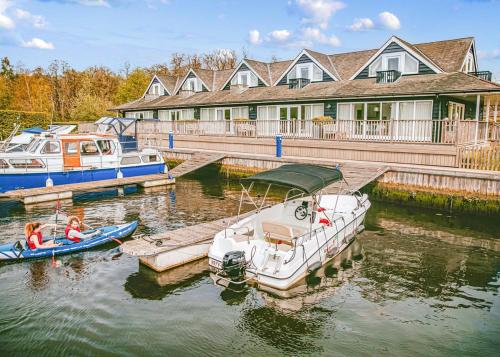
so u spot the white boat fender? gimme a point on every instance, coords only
(49, 182)
(119, 174)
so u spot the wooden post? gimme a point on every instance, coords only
(487, 119)
(478, 103)
(495, 113)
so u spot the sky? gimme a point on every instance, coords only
(144, 32)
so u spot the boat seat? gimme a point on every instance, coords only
(281, 232)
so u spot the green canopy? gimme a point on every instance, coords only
(305, 177)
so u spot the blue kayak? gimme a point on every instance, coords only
(19, 250)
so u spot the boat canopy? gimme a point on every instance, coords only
(305, 177)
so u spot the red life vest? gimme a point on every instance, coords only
(30, 243)
(73, 239)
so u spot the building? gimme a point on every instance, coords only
(428, 92)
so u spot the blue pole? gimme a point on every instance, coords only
(170, 140)
(279, 142)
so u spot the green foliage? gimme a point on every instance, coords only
(8, 118)
(133, 87)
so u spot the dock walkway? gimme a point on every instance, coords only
(60, 192)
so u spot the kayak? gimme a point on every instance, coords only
(19, 250)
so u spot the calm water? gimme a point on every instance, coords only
(415, 282)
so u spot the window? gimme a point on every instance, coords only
(344, 111)
(207, 114)
(51, 147)
(156, 89)
(393, 63)
(26, 163)
(88, 148)
(139, 115)
(402, 62)
(150, 158)
(3, 164)
(187, 114)
(107, 147)
(192, 84)
(359, 111)
(373, 111)
(163, 115)
(411, 64)
(130, 160)
(309, 71)
(375, 67)
(240, 113)
(245, 78)
(269, 112)
(388, 111)
(311, 111)
(71, 147)
(469, 65)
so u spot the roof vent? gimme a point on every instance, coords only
(388, 76)
(296, 83)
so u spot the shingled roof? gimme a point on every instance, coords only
(447, 55)
(429, 84)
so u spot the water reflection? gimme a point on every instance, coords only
(38, 275)
(150, 285)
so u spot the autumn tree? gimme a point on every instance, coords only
(220, 59)
(7, 77)
(31, 91)
(133, 87)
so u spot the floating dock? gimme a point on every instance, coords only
(174, 248)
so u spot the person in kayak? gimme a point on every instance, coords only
(34, 238)
(73, 231)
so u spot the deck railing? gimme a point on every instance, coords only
(452, 132)
(479, 157)
(388, 76)
(484, 75)
(409, 131)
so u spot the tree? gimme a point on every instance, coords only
(133, 87)
(31, 91)
(220, 59)
(88, 104)
(7, 77)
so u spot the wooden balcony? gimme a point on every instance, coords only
(484, 75)
(388, 76)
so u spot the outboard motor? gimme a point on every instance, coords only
(233, 264)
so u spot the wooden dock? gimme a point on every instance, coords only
(357, 176)
(61, 192)
(177, 247)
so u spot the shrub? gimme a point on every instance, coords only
(8, 118)
(325, 119)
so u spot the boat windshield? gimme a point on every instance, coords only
(34, 145)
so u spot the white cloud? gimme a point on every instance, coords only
(362, 24)
(389, 20)
(36, 20)
(254, 37)
(314, 35)
(319, 12)
(489, 54)
(5, 21)
(279, 35)
(38, 43)
(103, 3)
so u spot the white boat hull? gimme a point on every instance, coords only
(281, 266)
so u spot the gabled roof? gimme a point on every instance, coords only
(405, 45)
(257, 67)
(200, 74)
(347, 63)
(421, 85)
(313, 58)
(325, 61)
(169, 82)
(157, 77)
(277, 68)
(449, 54)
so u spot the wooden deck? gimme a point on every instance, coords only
(59, 192)
(357, 176)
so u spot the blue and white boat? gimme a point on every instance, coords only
(20, 251)
(38, 158)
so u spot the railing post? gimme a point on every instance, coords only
(170, 140)
(279, 142)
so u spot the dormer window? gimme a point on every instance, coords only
(401, 62)
(192, 85)
(244, 78)
(469, 65)
(309, 71)
(156, 89)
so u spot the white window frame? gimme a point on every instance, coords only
(310, 68)
(156, 89)
(385, 59)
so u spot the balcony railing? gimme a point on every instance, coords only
(402, 131)
(388, 76)
(298, 83)
(484, 75)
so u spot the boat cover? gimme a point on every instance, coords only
(305, 177)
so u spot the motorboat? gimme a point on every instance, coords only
(40, 158)
(278, 245)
